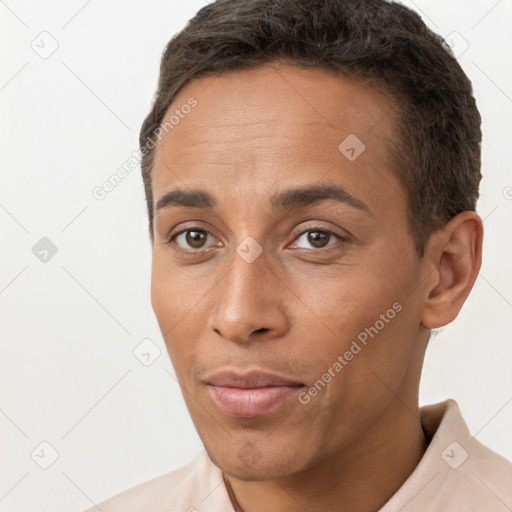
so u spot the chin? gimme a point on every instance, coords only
(244, 461)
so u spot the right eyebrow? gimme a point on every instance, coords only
(192, 199)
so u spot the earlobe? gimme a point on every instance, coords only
(456, 252)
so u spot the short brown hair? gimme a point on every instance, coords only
(437, 151)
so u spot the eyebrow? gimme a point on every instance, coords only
(286, 200)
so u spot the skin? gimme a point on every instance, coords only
(291, 311)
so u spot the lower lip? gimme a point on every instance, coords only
(251, 402)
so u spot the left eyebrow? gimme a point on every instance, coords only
(286, 200)
(305, 196)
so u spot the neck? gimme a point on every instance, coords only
(359, 477)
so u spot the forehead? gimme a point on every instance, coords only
(260, 128)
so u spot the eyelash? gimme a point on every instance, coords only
(310, 230)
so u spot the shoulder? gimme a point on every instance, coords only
(483, 475)
(457, 472)
(474, 477)
(190, 488)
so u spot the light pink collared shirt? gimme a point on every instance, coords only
(457, 473)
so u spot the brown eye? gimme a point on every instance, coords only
(191, 239)
(195, 238)
(318, 239)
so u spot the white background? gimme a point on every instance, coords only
(69, 326)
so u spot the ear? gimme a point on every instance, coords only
(456, 254)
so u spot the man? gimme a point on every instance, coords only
(311, 171)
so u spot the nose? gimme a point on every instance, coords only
(250, 302)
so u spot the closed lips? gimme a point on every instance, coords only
(250, 380)
(251, 394)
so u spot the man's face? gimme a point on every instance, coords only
(289, 287)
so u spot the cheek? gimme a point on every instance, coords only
(364, 311)
(176, 304)
(162, 295)
(342, 305)
(368, 324)
(173, 291)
